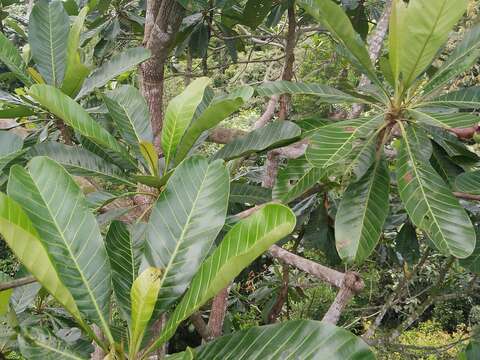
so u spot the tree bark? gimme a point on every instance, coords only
(217, 314)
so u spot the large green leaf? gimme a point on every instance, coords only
(324, 92)
(419, 30)
(337, 22)
(10, 147)
(10, 56)
(455, 120)
(336, 142)
(184, 222)
(275, 134)
(297, 339)
(255, 12)
(468, 98)
(109, 70)
(460, 60)
(217, 110)
(68, 230)
(79, 161)
(129, 111)
(468, 182)
(295, 179)
(144, 294)
(362, 214)
(48, 29)
(125, 251)
(75, 70)
(428, 200)
(179, 114)
(246, 241)
(20, 235)
(249, 194)
(75, 116)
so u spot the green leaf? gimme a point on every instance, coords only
(5, 295)
(150, 155)
(295, 179)
(16, 112)
(247, 240)
(362, 214)
(325, 93)
(468, 182)
(443, 164)
(407, 243)
(144, 294)
(75, 70)
(337, 22)
(310, 125)
(419, 30)
(275, 134)
(299, 339)
(184, 222)
(428, 200)
(68, 230)
(334, 143)
(249, 194)
(472, 263)
(10, 56)
(129, 111)
(455, 120)
(460, 60)
(218, 110)
(10, 147)
(109, 70)
(20, 235)
(75, 116)
(125, 251)
(40, 344)
(178, 116)
(81, 162)
(48, 29)
(468, 98)
(255, 12)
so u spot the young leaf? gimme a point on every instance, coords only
(185, 221)
(179, 114)
(143, 296)
(362, 214)
(69, 231)
(428, 200)
(109, 70)
(299, 339)
(10, 56)
(75, 70)
(246, 241)
(48, 29)
(273, 135)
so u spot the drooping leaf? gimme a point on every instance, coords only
(75, 116)
(337, 22)
(420, 29)
(323, 92)
(143, 296)
(10, 147)
(295, 179)
(124, 251)
(428, 200)
(184, 222)
(336, 142)
(24, 296)
(362, 214)
(444, 165)
(407, 243)
(218, 110)
(109, 70)
(455, 120)
(273, 135)
(461, 59)
(20, 235)
(75, 70)
(10, 56)
(468, 182)
(301, 339)
(68, 230)
(179, 114)
(247, 240)
(79, 161)
(129, 111)
(48, 29)
(467, 98)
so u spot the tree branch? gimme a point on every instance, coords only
(17, 283)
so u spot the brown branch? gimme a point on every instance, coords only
(17, 283)
(220, 135)
(465, 133)
(200, 325)
(282, 296)
(267, 114)
(217, 314)
(466, 196)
